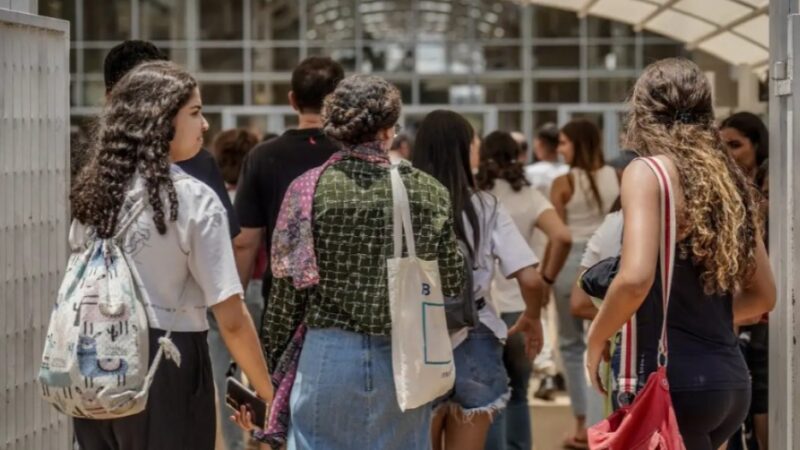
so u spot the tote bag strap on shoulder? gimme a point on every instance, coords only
(627, 379)
(401, 217)
(667, 247)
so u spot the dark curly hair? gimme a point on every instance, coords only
(359, 108)
(500, 159)
(134, 134)
(229, 149)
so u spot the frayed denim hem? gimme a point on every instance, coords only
(492, 408)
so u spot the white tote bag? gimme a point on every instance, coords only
(422, 357)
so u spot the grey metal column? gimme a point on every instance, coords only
(527, 77)
(783, 355)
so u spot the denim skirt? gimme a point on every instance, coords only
(344, 397)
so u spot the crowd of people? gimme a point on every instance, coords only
(246, 246)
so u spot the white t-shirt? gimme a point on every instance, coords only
(541, 174)
(501, 245)
(525, 206)
(606, 240)
(189, 268)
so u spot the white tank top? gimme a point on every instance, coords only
(583, 213)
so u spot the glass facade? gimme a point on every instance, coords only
(522, 63)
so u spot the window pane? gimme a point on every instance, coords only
(386, 20)
(93, 60)
(60, 9)
(498, 20)
(557, 91)
(438, 57)
(394, 57)
(222, 93)
(257, 124)
(214, 125)
(106, 20)
(221, 60)
(501, 58)
(73, 61)
(444, 20)
(608, 28)
(557, 56)
(275, 20)
(509, 121)
(271, 93)
(405, 90)
(541, 118)
(177, 55)
(612, 57)
(555, 23)
(502, 91)
(74, 100)
(610, 90)
(435, 91)
(221, 20)
(275, 59)
(330, 20)
(655, 52)
(163, 19)
(345, 56)
(94, 93)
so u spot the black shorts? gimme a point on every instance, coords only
(180, 412)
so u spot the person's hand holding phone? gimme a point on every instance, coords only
(243, 419)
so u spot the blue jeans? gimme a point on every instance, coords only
(511, 429)
(570, 331)
(221, 359)
(344, 397)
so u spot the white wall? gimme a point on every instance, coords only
(34, 178)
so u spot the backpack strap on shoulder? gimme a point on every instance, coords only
(129, 218)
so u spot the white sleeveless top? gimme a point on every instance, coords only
(583, 213)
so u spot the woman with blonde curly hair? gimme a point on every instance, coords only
(721, 271)
(343, 396)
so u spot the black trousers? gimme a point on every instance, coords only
(707, 419)
(180, 412)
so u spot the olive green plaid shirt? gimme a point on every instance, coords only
(353, 239)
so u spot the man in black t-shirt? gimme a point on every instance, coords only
(270, 167)
(202, 166)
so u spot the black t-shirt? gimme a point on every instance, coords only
(204, 167)
(267, 172)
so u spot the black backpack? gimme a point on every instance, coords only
(461, 310)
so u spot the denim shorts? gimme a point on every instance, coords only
(481, 378)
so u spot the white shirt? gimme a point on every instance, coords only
(541, 174)
(525, 207)
(501, 245)
(188, 269)
(605, 242)
(583, 213)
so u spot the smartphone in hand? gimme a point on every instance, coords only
(238, 395)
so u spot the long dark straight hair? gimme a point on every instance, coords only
(588, 151)
(441, 149)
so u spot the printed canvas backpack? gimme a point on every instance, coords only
(96, 354)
